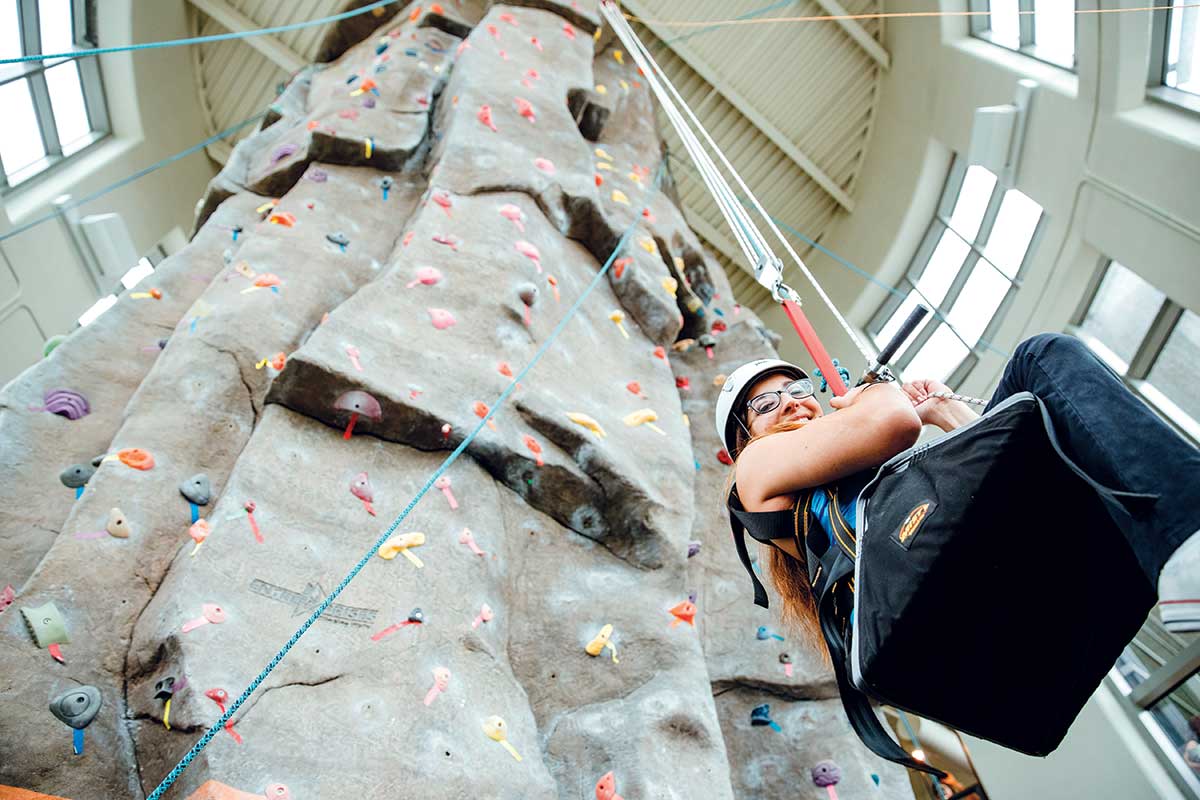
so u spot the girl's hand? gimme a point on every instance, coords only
(920, 392)
(848, 399)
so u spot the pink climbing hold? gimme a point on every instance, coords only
(513, 215)
(545, 165)
(494, 31)
(352, 351)
(532, 74)
(441, 318)
(504, 55)
(426, 276)
(525, 109)
(348, 113)
(510, 19)
(443, 200)
(458, 51)
(569, 31)
(485, 116)
(443, 483)
(606, 788)
(360, 487)
(408, 237)
(533, 40)
(529, 251)
(447, 239)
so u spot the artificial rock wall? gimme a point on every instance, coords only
(369, 272)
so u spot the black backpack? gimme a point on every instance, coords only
(989, 588)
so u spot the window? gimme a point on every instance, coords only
(52, 109)
(1043, 29)
(1175, 55)
(1148, 339)
(968, 267)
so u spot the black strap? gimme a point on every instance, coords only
(739, 541)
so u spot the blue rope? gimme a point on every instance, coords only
(129, 179)
(174, 774)
(220, 37)
(857, 270)
(749, 15)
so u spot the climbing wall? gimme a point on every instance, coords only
(560, 616)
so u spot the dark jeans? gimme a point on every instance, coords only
(1115, 438)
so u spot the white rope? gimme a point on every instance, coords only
(650, 67)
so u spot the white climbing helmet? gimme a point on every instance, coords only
(733, 394)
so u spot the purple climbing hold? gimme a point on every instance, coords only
(65, 403)
(282, 152)
(369, 102)
(693, 549)
(826, 773)
(318, 175)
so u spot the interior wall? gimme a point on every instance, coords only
(154, 111)
(1118, 175)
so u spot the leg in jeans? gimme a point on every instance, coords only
(1114, 437)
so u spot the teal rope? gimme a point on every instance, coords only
(220, 37)
(917, 744)
(174, 774)
(130, 178)
(749, 15)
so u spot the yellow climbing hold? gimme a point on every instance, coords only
(602, 640)
(602, 153)
(644, 416)
(497, 730)
(601, 88)
(678, 264)
(603, 165)
(368, 147)
(596, 34)
(583, 419)
(619, 56)
(624, 84)
(401, 544)
(648, 245)
(670, 284)
(619, 197)
(687, 422)
(618, 317)
(633, 176)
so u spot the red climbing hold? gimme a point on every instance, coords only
(485, 116)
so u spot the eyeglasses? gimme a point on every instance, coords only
(767, 402)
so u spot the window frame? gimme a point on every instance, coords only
(1136, 373)
(1156, 86)
(939, 224)
(34, 73)
(981, 29)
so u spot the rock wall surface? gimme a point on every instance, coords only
(370, 272)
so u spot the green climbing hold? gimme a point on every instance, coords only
(51, 343)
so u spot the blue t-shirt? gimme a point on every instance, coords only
(848, 489)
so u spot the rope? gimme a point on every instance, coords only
(129, 179)
(220, 37)
(217, 726)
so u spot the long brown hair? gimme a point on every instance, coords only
(789, 574)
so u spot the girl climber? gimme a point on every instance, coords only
(783, 445)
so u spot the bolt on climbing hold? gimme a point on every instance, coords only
(153, 294)
(514, 215)
(211, 613)
(693, 549)
(602, 640)
(199, 531)
(544, 165)
(569, 31)
(580, 418)
(441, 679)
(415, 617)
(525, 109)
(360, 487)
(485, 116)
(786, 660)
(761, 715)
(619, 197)
(426, 276)
(165, 689)
(221, 697)
(606, 788)
(48, 628)
(530, 251)
(133, 457)
(527, 293)
(441, 318)
(468, 538)
(497, 731)
(660, 352)
(550, 279)
(442, 199)
(358, 403)
(763, 633)
(644, 416)
(708, 342)
(197, 491)
(353, 354)
(826, 775)
(7, 595)
(76, 477)
(481, 410)
(684, 612)
(618, 266)
(385, 184)
(485, 615)
(670, 285)
(447, 239)
(338, 238)
(443, 483)
(618, 317)
(368, 147)
(76, 708)
(401, 545)
(534, 447)
(636, 388)
(250, 508)
(64, 403)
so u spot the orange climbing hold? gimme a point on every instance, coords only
(534, 448)
(284, 218)
(137, 458)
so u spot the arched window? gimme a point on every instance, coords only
(52, 110)
(1041, 29)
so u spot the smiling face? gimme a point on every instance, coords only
(789, 410)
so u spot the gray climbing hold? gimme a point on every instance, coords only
(706, 340)
(416, 615)
(528, 293)
(784, 658)
(197, 489)
(76, 475)
(77, 706)
(339, 239)
(165, 688)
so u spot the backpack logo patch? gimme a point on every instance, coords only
(912, 523)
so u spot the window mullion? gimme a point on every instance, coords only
(964, 274)
(94, 100)
(990, 214)
(980, 22)
(1089, 294)
(1155, 339)
(3, 178)
(45, 113)
(1026, 22)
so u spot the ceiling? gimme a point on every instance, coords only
(790, 104)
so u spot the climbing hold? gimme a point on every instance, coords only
(619, 56)
(648, 245)
(118, 524)
(826, 775)
(282, 152)
(76, 708)
(164, 689)
(249, 507)
(525, 109)
(635, 388)
(545, 165)
(446, 432)
(485, 116)
(618, 317)
(494, 31)
(58, 338)
(7, 595)
(426, 276)
(496, 730)
(619, 197)
(723, 457)
(447, 239)
(786, 660)
(569, 31)
(210, 613)
(600, 641)
(761, 715)
(220, 697)
(353, 354)
(485, 615)
(529, 251)
(527, 293)
(443, 200)
(385, 184)
(47, 627)
(360, 487)
(399, 545)
(358, 403)
(513, 215)
(693, 549)
(601, 89)
(604, 165)
(199, 531)
(197, 489)
(682, 383)
(277, 361)
(155, 294)
(443, 484)
(583, 419)
(415, 617)
(644, 416)
(441, 679)
(441, 318)
(133, 457)
(468, 538)
(708, 342)
(284, 218)
(599, 179)
(660, 352)
(76, 476)
(481, 410)
(532, 445)
(368, 147)
(606, 788)
(763, 633)
(670, 285)
(338, 238)
(553, 282)
(602, 153)
(619, 266)
(64, 403)
(684, 612)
